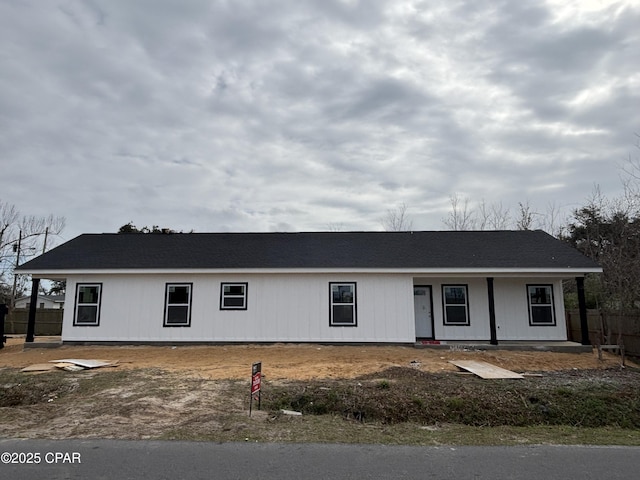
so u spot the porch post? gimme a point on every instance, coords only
(31, 326)
(492, 312)
(582, 307)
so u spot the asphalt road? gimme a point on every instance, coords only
(114, 459)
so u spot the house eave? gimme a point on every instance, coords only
(427, 272)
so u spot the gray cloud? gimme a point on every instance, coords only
(296, 115)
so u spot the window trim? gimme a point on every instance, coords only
(76, 323)
(243, 296)
(167, 304)
(552, 305)
(354, 305)
(466, 306)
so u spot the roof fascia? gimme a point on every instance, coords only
(482, 272)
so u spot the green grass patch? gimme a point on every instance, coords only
(19, 389)
(581, 399)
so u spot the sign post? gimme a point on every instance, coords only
(256, 380)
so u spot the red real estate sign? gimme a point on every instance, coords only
(256, 377)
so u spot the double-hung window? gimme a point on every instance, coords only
(455, 301)
(233, 296)
(541, 305)
(342, 299)
(177, 305)
(88, 296)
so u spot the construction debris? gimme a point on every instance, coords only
(484, 369)
(290, 412)
(39, 367)
(86, 363)
(69, 365)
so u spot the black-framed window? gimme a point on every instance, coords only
(233, 296)
(541, 306)
(342, 304)
(455, 304)
(177, 305)
(87, 311)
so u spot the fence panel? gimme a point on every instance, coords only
(48, 321)
(610, 329)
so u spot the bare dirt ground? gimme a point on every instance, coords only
(297, 361)
(201, 392)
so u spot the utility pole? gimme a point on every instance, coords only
(15, 275)
(44, 246)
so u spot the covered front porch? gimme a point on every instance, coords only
(514, 310)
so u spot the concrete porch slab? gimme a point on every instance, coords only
(541, 346)
(44, 342)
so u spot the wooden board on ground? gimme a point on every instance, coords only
(69, 367)
(39, 367)
(85, 363)
(484, 369)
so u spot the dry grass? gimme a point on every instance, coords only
(370, 394)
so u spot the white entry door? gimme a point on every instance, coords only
(422, 310)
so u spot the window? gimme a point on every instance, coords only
(541, 305)
(87, 312)
(233, 296)
(455, 304)
(177, 309)
(342, 304)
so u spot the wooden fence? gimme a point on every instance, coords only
(604, 329)
(48, 321)
(607, 329)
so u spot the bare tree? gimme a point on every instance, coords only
(396, 219)
(335, 226)
(22, 236)
(492, 217)
(483, 215)
(500, 217)
(554, 221)
(495, 216)
(461, 217)
(525, 218)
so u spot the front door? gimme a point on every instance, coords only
(422, 310)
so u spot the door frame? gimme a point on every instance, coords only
(433, 330)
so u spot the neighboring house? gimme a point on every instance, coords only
(43, 301)
(333, 287)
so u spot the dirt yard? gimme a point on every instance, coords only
(297, 361)
(200, 392)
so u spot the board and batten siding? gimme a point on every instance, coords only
(511, 309)
(280, 308)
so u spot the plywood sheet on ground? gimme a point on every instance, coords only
(484, 369)
(84, 363)
(39, 367)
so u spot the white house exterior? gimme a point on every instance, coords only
(43, 301)
(338, 287)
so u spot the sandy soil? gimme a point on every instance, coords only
(297, 361)
(198, 392)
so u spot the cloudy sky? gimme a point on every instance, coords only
(309, 115)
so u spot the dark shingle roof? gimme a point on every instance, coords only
(431, 250)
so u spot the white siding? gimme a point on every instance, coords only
(280, 308)
(478, 328)
(511, 309)
(295, 308)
